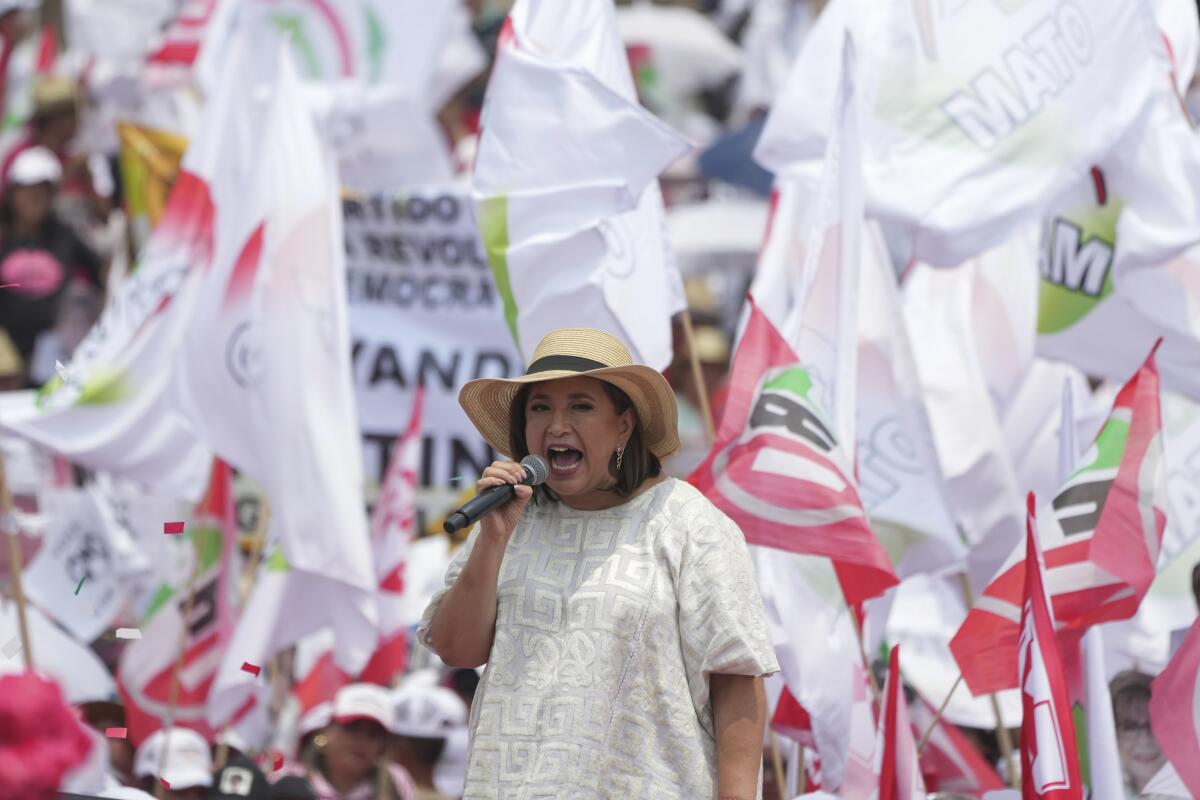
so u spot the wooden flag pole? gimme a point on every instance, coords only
(802, 778)
(777, 763)
(1006, 745)
(689, 334)
(14, 566)
(937, 716)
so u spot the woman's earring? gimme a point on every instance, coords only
(620, 455)
(320, 741)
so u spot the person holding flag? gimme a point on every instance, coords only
(617, 609)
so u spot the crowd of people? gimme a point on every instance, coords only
(66, 231)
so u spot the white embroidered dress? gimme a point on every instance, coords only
(608, 624)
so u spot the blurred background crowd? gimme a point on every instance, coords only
(90, 140)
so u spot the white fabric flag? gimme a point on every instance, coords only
(569, 209)
(980, 114)
(900, 479)
(1104, 760)
(113, 412)
(266, 375)
(80, 673)
(804, 604)
(981, 483)
(76, 577)
(1120, 255)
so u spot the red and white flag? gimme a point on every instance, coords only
(1101, 536)
(1049, 756)
(895, 751)
(949, 762)
(191, 45)
(1175, 710)
(192, 622)
(780, 466)
(393, 524)
(778, 470)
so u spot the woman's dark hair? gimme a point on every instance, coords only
(637, 463)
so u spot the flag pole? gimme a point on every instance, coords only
(14, 568)
(1006, 745)
(937, 717)
(802, 778)
(777, 763)
(689, 334)
(173, 693)
(862, 651)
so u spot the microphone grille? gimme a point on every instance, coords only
(537, 469)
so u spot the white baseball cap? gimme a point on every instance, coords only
(314, 719)
(125, 793)
(33, 166)
(427, 712)
(363, 701)
(188, 761)
(450, 772)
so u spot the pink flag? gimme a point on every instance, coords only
(898, 770)
(779, 472)
(1101, 539)
(1175, 710)
(1049, 757)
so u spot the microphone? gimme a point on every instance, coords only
(536, 472)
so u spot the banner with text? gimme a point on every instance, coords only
(423, 309)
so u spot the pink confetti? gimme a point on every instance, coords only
(172, 527)
(166, 785)
(278, 761)
(116, 733)
(248, 667)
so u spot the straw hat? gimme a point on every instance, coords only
(570, 353)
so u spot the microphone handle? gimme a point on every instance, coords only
(477, 506)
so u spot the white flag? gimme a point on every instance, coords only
(1120, 253)
(980, 114)
(76, 577)
(275, 390)
(112, 411)
(900, 479)
(569, 209)
(981, 482)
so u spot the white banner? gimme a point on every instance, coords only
(423, 309)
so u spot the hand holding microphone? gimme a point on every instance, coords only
(502, 482)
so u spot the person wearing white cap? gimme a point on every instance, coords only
(179, 758)
(348, 760)
(40, 256)
(425, 716)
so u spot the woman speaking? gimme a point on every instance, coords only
(616, 609)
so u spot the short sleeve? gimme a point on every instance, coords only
(452, 572)
(722, 625)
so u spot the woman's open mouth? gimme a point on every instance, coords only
(564, 460)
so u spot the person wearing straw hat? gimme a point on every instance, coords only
(616, 608)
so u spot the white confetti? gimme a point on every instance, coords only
(62, 371)
(128, 633)
(13, 647)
